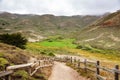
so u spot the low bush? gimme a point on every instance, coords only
(15, 39)
(51, 54)
(90, 48)
(21, 74)
(3, 63)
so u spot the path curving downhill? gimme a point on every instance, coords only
(62, 72)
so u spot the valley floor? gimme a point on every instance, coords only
(62, 72)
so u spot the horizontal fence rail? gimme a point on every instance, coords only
(19, 66)
(3, 73)
(45, 62)
(86, 65)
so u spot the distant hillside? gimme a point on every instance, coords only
(103, 33)
(38, 27)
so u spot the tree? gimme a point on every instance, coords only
(15, 39)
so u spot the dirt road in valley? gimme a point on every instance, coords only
(62, 72)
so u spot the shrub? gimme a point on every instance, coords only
(21, 74)
(3, 63)
(90, 48)
(51, 54)
(43, 53)
(15, 39)
(84, 47)
(79, 47)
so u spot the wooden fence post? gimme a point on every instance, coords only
(71, 59)
(85, 65)
(97, 68)
(39, 63)
(74, 61)
(29, 70)
(116, 73)
(79, 64)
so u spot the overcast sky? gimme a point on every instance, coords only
(60, 7)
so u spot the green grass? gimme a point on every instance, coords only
(22, 73)
(3, 62)
(58, 43)
(66, 46)
(51, 46)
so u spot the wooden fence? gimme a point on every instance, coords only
(6, 74)
(86, 65)
(97, 67)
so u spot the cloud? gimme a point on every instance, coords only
(59, 7)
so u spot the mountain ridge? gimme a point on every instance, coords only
(43, 25)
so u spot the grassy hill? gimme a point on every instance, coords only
(100, 39)
(103, 33)
(11, 55)
(36, 27)
(100, 33)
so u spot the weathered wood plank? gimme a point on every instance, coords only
(4, 73)
(91, 62)
(38, 68)
(105, 69)
(19, 66)
(101, 77)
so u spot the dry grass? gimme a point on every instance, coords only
(82, 72)
(15, 56)
(91, 75)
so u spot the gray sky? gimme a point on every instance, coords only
(60, 7)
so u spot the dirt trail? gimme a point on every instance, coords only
(62, 72)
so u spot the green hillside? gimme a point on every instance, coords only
(103, 33)
(36, 27)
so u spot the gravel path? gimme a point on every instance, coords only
(62, 72)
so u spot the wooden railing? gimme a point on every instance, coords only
(95, 68)
(6, 74)
(86, 65)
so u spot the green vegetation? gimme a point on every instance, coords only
(21, 74)
(91, 49)
(58, 43)
(45, 47)
(1, 55)
(3, 22)
(3, 63)
(15, 39)
(100, 41)
(51, 46)
(11, 55)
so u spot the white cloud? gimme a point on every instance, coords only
(59, 7)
